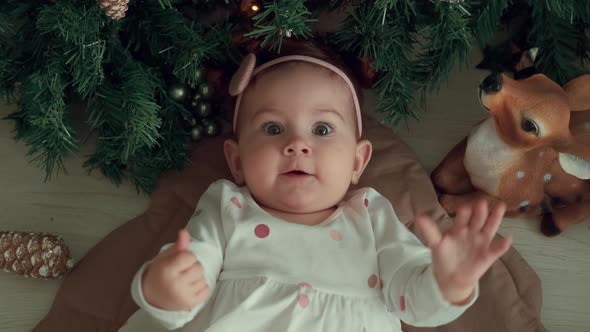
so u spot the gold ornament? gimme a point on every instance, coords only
(197, 133)
(211, 127)
(202, 110)
(37, 255)
(194, 102)
(205, 90)
(178, 92)
(199, 75)
(115, 9)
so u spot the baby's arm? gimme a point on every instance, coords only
(176, 285)
(410, 286)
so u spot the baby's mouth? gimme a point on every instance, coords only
(296, 173)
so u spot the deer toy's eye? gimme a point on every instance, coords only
(530, 126)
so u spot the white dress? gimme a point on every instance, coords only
(360, 270)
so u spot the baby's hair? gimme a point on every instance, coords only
(306, 48)
(310, 48)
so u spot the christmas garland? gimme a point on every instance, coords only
(150, 72)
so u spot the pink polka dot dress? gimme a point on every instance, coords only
(359, 270)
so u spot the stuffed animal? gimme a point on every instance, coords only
(533, 152)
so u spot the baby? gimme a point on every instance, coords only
(287, 246)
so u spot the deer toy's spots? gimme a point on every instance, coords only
(547, 177)
(519, 174)
(523, 206)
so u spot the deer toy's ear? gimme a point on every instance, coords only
(578, 93)
(575, 163)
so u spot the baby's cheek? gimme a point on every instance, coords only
(258, 164)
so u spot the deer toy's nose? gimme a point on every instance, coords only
(492, 83)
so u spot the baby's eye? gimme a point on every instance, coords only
(272, 128)
(322, 129)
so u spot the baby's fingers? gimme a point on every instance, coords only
(192, 274)
(201, 295)
(462, 217)
(490, 228)
(194, 297)
(499, 247)
(479, 216)
(429, 231)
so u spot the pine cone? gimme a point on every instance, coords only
(115, 9)
(37, 255)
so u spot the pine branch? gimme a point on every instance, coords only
(171, 153)
(388, 42)
(558, 43)
(148, 163)
(487, 20)
(165, 4)
(564, 9)
(76, 29)
(15, 45)
(6, 30)
(406, 9)
(449, 40)
(280, 18)
(129, 107)
(44, 121)
(582, 8)
(182, 46)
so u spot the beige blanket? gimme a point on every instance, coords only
(95, 295)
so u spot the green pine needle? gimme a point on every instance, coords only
(487, 20)
(558, 44)
(279, 19)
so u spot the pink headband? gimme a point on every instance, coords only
(242, 78)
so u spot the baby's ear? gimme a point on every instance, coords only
(362, 156)
(232, 156)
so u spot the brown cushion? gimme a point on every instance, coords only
(95, 295)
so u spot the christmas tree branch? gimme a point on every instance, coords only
(388, 42)
(15, 46)
(77, 31)
(45, 119)
(281, 18)
(148, 162)
(449, 41)
(182, 46)
(583, 11)
(129, 105)
(171, 153)
(487, 19)
(558, 43)
(564, 9)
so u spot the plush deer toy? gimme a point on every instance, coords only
(533, 153)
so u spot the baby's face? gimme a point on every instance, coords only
(297, 150)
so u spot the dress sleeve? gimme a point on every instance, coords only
(405, 267)
(207, 244)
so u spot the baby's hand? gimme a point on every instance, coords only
(463, 254)
(174, 280)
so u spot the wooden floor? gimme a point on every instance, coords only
(84, 208)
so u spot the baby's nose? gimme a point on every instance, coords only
(297, 146)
